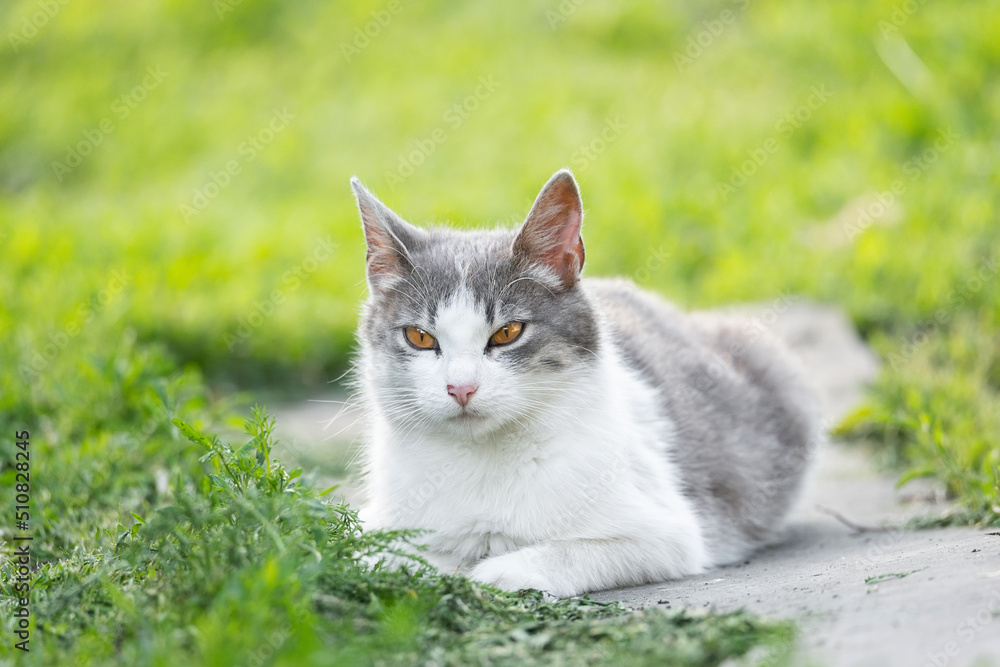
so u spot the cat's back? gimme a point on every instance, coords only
(745, 418)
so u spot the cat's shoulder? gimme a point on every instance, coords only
(628, 306)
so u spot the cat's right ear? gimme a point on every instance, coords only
(390, 239)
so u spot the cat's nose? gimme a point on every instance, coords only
(462, 393)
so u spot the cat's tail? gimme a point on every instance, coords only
(837, 362)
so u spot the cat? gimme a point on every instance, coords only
(567, 434)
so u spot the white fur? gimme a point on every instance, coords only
(565, 489)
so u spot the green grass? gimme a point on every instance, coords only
(118, 306)
(243, 564)
(891, 575)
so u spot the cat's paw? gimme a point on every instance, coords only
(515, 571)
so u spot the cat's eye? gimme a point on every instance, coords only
(508, 333)
(420, 339)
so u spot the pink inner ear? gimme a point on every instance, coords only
(567, 256)
(572, 239)
(381, 257)
(551, 233)
(382, 262)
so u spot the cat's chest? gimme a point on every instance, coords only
(520, 495)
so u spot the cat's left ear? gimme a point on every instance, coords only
(390, 238)
(551, 234)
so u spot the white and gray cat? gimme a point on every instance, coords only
(562, 433)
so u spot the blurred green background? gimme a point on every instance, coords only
(560, 73)
(174, 199)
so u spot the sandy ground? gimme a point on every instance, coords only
(863, 595)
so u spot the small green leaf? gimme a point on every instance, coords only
(246, 449)
(914, 473)
(191, 433)
(891, 575)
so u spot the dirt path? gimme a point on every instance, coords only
(860, 597)
(915, 598)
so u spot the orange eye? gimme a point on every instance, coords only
(508, 333)
(420, 339)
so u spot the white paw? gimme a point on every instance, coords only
(513, 572)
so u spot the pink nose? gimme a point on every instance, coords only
(463, 393)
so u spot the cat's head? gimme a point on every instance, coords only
(474, 331)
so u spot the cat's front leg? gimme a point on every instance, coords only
(564, 568)
(445, 563)
(405, 552)
(514, 571)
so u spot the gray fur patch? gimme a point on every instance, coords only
(746, 422)
(506, 287)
